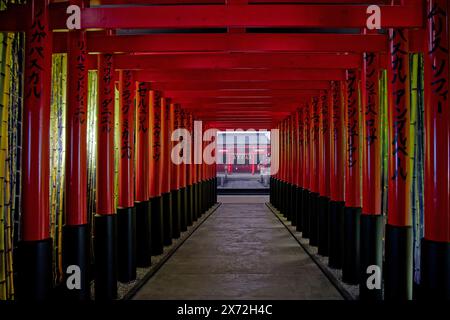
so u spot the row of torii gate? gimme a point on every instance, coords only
(233, 65)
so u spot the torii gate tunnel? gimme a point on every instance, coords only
(88, 116)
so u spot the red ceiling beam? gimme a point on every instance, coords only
(198, 107)
(233, 42)
(175, 2)
(262, 116)
(241, 86)
(208, 16)
(237, 94)
(217, 16)
(241, 75)
(238, 60)
(272, 106)
(241, 103)
(234, 110)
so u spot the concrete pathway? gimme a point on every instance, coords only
(241, 252)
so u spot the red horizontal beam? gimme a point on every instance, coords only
(241, 75)
(241, 86)
(238, 114)
(213, 16)
(214, 106)
(238, 94)
(250, 117)
(241, 16)
(175, 2)
(233, 42)
(237, 60)
(254, 111)
(241, 103)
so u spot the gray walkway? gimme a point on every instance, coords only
(241, 252)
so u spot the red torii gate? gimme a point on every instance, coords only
(207, 74)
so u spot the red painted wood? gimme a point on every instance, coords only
(216, 60)
(143, 130)
(105, 136)
(127, 89)
(371, 135)
(236, 16)
(296, 148)
(437, 124)
(400, 150)
(324, 145)
(248, 94)
(290, 159)
(36, 125)
(300, 146)
(164, 168)
(183, 167)
(353, 159)
(192, 167)
(76, 130)
(155, 143)
(241, 75)
(282, 152)
(337, 145)
(307, 146)
(207, 16)
(173, 124)
(183, 43)
(240, 86)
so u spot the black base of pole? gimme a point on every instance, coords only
(105, 253)
(167, 218)
(201, 197)
(195, 197)
(197, 206)
(194, 202)
(284, 199)
(398, 269)
(176, 217)
(190, 205)
(313, 220)
(305, 218)
(143, 234)
(281, 198)
(183, 210)
(271, 191)
(299, 209)
(210, 193)
(336, 227)
(435, 270)
(288, 188)
(294, 203)
(287, 201)
(157, 244)
(323, 209)
(215, 190)
(75, 242)
(126, 243)
(350, 265)
(371, 253)
(276, 195)
(206, 189)
(33, 262)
